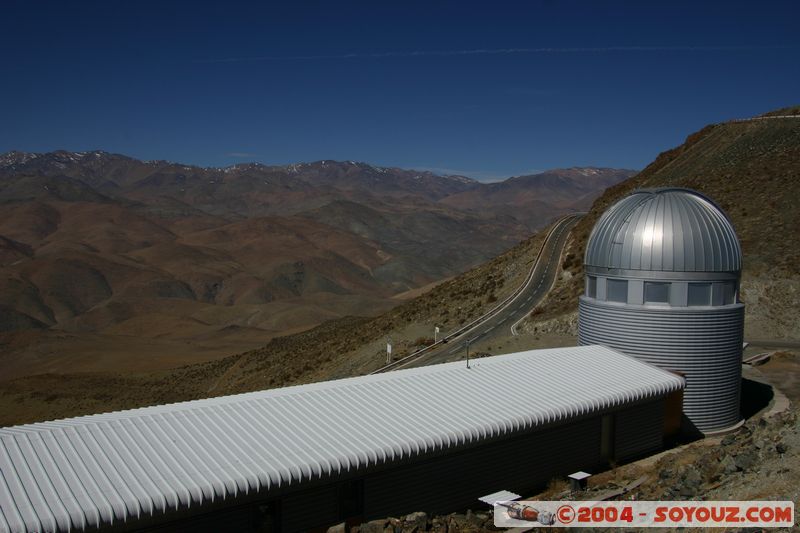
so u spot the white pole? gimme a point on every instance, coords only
(388, 350)
(435, 334)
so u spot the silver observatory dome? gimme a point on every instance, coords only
(667, 230)
(662, 278)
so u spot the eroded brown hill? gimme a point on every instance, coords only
(109, 263)
(315, 354)
(750, 168)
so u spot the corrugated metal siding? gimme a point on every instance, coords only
(91, 471)
(310, 509)
(639, 431)
(670, 230)
(241, 518)
(704, 345)
(455, 481)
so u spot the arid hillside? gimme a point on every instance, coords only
(752, 170)
(108, 263)
(331, 349)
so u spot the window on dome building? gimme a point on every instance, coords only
(656, 292)
(699, 294)
(728, 293)
(617, 290)
(591, 287)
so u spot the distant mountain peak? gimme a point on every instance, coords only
(15, 157)
(238, 167)
(592, 171)
(348, 173)
(61, 158)
(58, 158)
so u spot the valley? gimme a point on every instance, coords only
(108, 263)
(750, 167)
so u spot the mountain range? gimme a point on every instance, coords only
(112, 257)
(749, 167)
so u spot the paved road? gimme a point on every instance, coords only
(756, 119)
(773, 343)
(499, 323)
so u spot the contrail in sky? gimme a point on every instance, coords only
(497, 51)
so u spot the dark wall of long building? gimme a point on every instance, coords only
(450, 481)
(455, 481)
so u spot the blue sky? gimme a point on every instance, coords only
(486, 89)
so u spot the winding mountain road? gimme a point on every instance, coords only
(503, 319)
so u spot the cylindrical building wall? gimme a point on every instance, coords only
(703, 344)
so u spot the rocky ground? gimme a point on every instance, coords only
(419, 521)
(767, 300)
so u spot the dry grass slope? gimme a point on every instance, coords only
(308, 356)
(752, 169)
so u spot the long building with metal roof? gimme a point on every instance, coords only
(433, 438)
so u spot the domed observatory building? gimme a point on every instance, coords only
(662, 278)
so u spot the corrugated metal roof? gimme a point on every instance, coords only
(101, 469)
(666, 230)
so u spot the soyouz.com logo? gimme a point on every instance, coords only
(644, 514)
